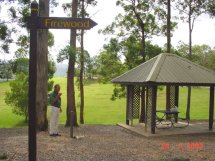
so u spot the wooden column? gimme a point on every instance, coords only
(211, 108)
(176, 101)
(167, 97)
(143, 104)
(154, 104)
(127, 105)
(151, 99)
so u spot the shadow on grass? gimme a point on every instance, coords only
(21, 123)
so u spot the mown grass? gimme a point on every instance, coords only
(99, 109)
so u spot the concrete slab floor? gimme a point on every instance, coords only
(193, 128)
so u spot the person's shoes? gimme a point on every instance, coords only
(52, 135)
(57, 134)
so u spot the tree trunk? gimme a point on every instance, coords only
(190, 58)
(169, 26)
(71, 73)
(142, 28)
(42, 71)
(143, 43)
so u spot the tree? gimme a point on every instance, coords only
(91, 67)
(109, 67)
(201, 54)
(141, 20)
(78, 9)
(18, 96)
(69, 53)
(190, 11)
(81, 82)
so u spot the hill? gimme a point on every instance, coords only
(61, 70)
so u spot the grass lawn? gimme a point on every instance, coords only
(99, 109)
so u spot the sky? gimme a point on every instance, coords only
(104, 13)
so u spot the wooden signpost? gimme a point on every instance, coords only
(35, 22)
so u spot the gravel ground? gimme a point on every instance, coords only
(107, 143)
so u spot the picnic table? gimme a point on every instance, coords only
(169, 119)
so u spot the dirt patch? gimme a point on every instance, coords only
(107, 143)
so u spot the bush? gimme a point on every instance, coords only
(18, 96)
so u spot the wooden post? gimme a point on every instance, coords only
(127, 105)
(168, 106)
(211, 108)
(32, 142)
(154, 102)
(176, 101)
(143, 106)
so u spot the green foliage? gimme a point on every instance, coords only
(5, 37)
(51, 69)
(50, 85)
(18, 96)
(131, 50)
(118, 92)
(108, 62)
(21, 65)
(50, 39)
(80, 12)
(23, 43)
(211, 7)
(3, 31)
(152, 50)
(66, 53)
(201, 54)
(109, 67)
(91, 67)
(6, 70)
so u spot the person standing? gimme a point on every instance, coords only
(55, 101)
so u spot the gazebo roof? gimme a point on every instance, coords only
(168, 69)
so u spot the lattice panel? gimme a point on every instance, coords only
(129, 102)
(172, 96)
(133, 102)
(136, 102)
(148, 118)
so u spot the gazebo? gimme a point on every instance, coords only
(167, 70)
